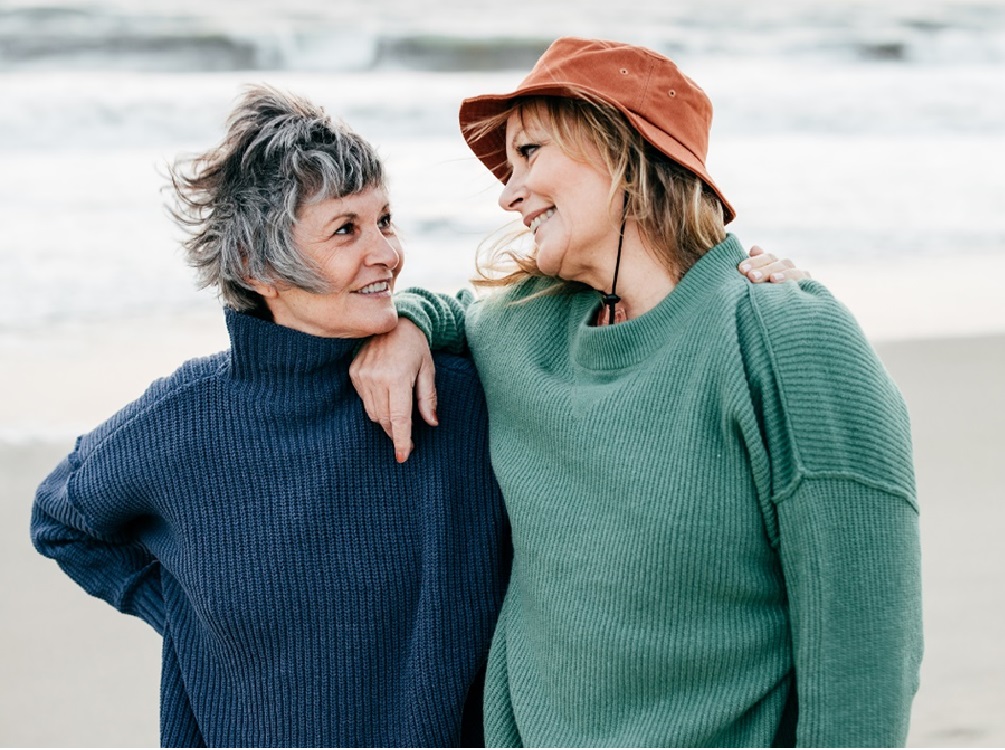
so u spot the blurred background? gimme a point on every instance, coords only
(865, 141)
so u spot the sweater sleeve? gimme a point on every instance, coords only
(439, 316)
(837, 437)
(87, 514)
(850, 557)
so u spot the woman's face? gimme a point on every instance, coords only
(353, 243)
(565, 201)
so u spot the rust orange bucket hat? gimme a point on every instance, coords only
(669, 109)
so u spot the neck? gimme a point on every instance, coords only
(261, 349)
(643, 282)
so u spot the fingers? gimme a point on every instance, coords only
(385, 371)
(380, 412)
(425, 392)
(756, 266)
(793, 274)
(400, 423)
(778, 270)
(374, 400)
(764, 266)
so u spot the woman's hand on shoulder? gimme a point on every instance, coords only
(763, 266)
(386, 371)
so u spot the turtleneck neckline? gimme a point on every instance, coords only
(622, 345)
(260, 348)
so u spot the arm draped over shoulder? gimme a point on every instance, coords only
(440, 317)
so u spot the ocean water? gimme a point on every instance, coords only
(845, 131)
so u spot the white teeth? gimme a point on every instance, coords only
(379, 286)
(541, 218)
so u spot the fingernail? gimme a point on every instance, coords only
(756, 276)
(745, 267)
(778, 277)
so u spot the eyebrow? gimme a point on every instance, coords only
(512, 146)
(339, 217)
(521, 131)
(353, 216)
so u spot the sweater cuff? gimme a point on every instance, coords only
(410, 307)
(440, 317)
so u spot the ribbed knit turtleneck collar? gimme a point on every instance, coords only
(260, 349)
(621, 345)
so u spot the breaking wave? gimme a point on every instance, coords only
(114, 38)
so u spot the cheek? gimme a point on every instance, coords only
(342, 273)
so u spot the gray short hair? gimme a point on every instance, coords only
(239, 200)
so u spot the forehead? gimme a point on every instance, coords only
(316, 217)
(534, 122)
(527, 118)
(372, 199)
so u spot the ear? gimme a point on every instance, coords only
(267, 291)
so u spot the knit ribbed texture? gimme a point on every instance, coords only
(713, 513)
(310, 590)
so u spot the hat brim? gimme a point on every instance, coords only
(490, 146)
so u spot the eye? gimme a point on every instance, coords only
(527, 150)
(347, 228)
(386, 224)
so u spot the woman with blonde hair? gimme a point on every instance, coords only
(709, 483)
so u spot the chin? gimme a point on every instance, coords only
(384, 325)
(548, 266)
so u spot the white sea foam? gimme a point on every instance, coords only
(194, 35)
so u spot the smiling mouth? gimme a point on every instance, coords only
(540, 219)
(378, 287)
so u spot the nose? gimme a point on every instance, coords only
(513, 194)
(384, 250)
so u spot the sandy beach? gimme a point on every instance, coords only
(77, 673)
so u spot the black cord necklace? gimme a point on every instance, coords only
(612, 299)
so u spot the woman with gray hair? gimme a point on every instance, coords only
(310, 590)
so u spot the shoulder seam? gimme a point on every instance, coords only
(183, 385)
(889, 489)
(801, 471)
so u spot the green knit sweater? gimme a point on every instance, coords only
(714, 520)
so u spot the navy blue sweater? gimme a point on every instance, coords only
(310, 590)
